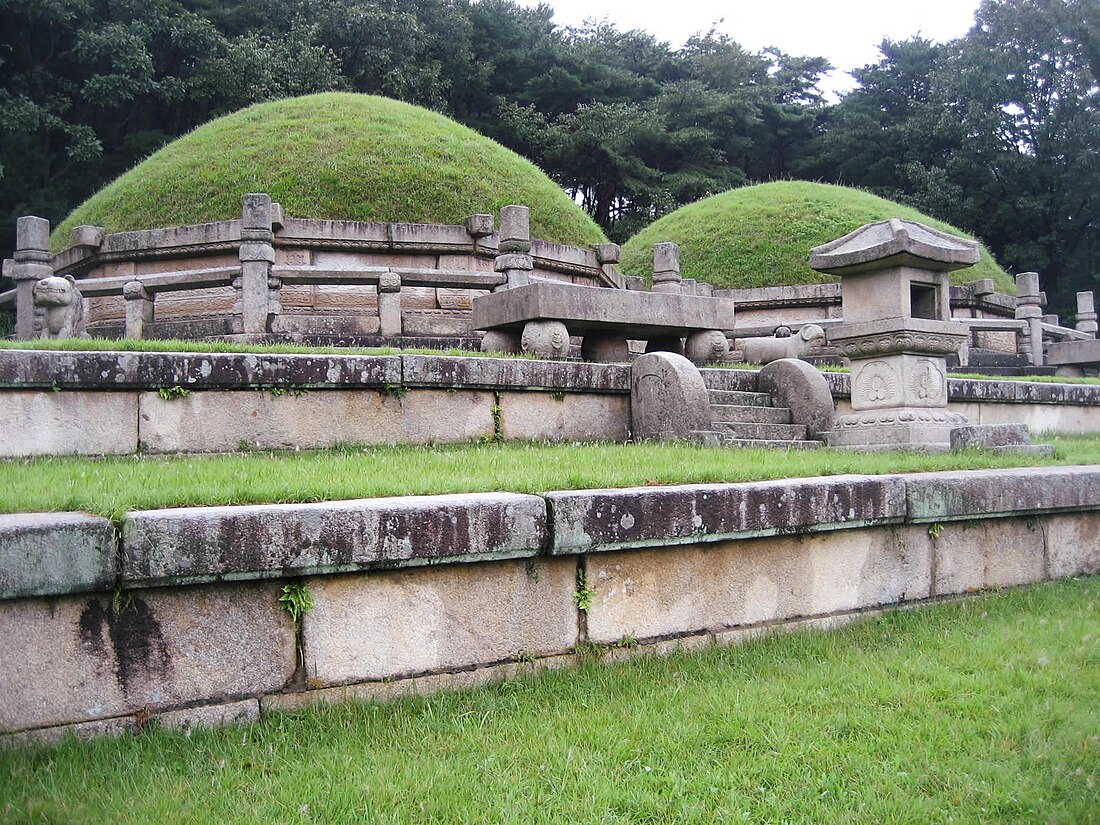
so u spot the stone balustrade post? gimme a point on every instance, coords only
(514, 252)
(32, 263)
(389, 304)
(666, 267)
(1086, 313)
(255, 301)
(139, 308)
(1028, 308)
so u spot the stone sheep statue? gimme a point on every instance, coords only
(766, 350)
(59, 308)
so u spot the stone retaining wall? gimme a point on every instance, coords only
(174, 615)
(92, 403)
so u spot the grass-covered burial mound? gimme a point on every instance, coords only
(762, 235)
(336, 156)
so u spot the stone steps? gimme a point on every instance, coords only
(743, 418)
(757, 430)
(753, 414)
(739, 398)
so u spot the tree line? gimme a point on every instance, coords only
(997, 132)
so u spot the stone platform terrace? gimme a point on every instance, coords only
(173, 616)
(95, 403)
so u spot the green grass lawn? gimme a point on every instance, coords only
(112, 485)
(983, 710)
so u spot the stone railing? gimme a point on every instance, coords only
(268, 273)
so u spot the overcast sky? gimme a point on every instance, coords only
(846, 32)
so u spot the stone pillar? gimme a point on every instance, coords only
(514, 253)
(897, 332)
(257, 254)
(607, 256)
(32, 264)
(1028, 303)
(666, 267)
(139, 309)
(1086, 313)
(389, 304)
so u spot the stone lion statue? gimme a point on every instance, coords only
(59, 308)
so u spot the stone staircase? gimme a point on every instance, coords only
(743, 417)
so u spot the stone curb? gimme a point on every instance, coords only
(514, 374)
(35, 369)
(968, 494)
(971, 389)
(50, 554)
(601, 520)
(260, 541)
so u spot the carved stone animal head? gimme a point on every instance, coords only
(54, 291)
(811, 334)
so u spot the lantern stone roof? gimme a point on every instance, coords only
(894, 242)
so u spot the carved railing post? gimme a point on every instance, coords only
(139, 309)
(666, 267)
(514, 253)
(32, 264)
(257, 254)
(1028, 302)
(389, 304)
(1086, 313)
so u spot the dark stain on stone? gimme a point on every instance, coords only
(138, 650)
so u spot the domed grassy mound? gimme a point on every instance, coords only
(762, 235)
(338, 156)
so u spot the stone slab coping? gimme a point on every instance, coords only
(57, 553)
(99, 371)
(196, 544)
(1008, 392)
(635, 314)
(1085, 352)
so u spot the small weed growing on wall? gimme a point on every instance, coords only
(173, 393)
(277, 392)
(627, 642)
(558, 396)
(582, 596)
(296, 600)
(935, 529)
(121, 601)
(395, 390)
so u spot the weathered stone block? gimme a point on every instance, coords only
(968, 494)
(668, 398)
(535, 416)
(76, 659)
(416, 621)
(657, 592)
(203, 543)
(975, 555)
(798, 386)
(48, 554)
(68, 423)
(1073, 544)
(601, 520)
(219, 421)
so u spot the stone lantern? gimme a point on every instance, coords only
(897, 332)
